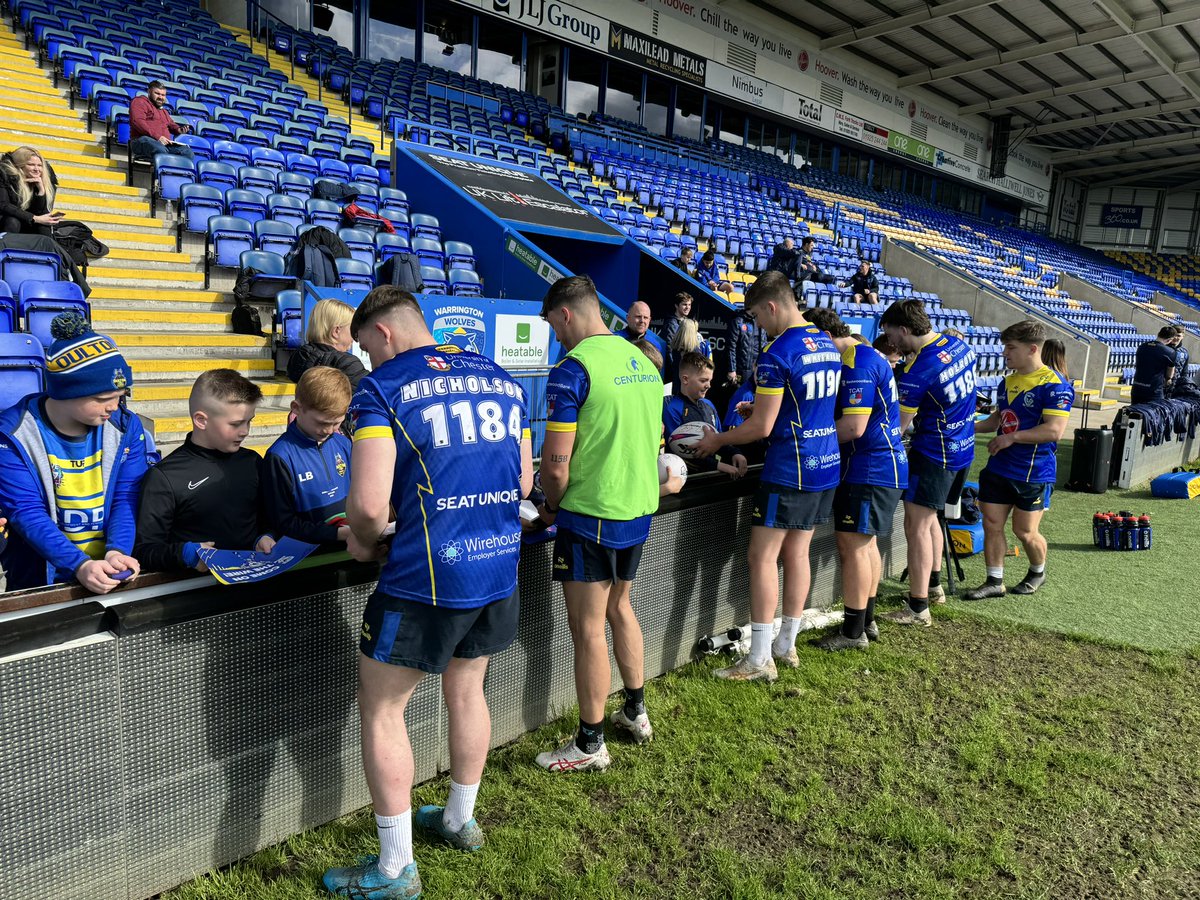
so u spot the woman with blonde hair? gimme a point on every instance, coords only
(328, 342)
(1054, 355)
(687, 339)
(27, 187)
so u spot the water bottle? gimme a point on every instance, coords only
(1145, 531)
(1135, 534)
(1099, 523)
(1110, 532)
(1128, 532)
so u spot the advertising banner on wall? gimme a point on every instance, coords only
(910, 147)
(625, 43)
(553, 17)
(1114, 216)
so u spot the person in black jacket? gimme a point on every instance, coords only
(744, 340)
(1153, 367)
(328, 343)
(27, 187)
(784, 258)
(205, 493)
(864, 284)
(808, 270)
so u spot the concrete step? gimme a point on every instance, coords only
(39, 110)
(126, 224)
(1117, 392)
(170, 399)
(114, 276)
(79, 145)
(139, 240)
(118, 192)
(169, 432)
(100, 201)
(158, 370)
(20, 86)
(173, 344)
(106, 316)
(56, 129)
(64, 156)
(101, 177)
(125, 257)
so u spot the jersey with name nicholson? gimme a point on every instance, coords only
(869, 389)
(458, 420)
(938, 385)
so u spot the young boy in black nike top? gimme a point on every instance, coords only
(205, 493)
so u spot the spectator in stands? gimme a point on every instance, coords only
(683, 262)
(649, 351)
(683, 310)
(328, 343)
(71, 463)
(954, 333)
(639, 327)
(1054, 355)
(306, 472)
(690, 405)
(794, 408)
(864, 284)
(151, 128)
(785, 258)
(1153, 367)
(807, 268)
(438, 608)
(206, 492)
(1020, 472)
(687, 340)
(599, 472)
(27, 197)
(744, 340)
(709, 274)
(936, 389)
(1183, 381)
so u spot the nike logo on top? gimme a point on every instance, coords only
(192, 485)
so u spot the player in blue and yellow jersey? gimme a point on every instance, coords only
(797, 381)
(874, 475)
(599, 472)
(71, 464)
(440, 435)
(1030, 420)
(937, 386)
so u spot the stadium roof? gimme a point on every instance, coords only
(1110, 88)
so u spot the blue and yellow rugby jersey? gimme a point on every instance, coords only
(938, 384)
(1026, 402)
(76, 465)
(803, 366)
(869, 389)
(457, 419)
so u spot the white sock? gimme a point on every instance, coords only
(460, 808)
(995, 572)
(760, 642)
(1037, 570)
(395, 843)
(786, 640)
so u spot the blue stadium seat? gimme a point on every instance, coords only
(258, 179)
(38, 302)
(286, 208)
(295, 185)
(268, 158)
(274, 236)
(171, 173)
(459, 256)
(216, 174)
(388, 245)
(435, 280)
(8, 309)
(201, 147)
(303, 164)
(465, 283)
(361, 243)
(333, 169)
(271, 277)
(430, 252)
(248, 205)
(324, 212)
(22, 368)
(231, 152)
(355, 275)
(197, 204)
(19, 266)
(226, 238)
(289, 319)
(425, 226)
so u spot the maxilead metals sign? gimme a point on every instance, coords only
(515, 195)
(625, 43)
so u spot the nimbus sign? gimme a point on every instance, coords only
(556, 18)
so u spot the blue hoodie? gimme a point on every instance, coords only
(304, 486)
(38, 553)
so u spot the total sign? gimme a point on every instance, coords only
(522, 341)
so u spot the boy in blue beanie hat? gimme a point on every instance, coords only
(71, 465)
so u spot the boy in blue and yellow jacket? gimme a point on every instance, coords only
(306, 473)
(71, 465)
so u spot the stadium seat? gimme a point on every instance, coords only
(355, 275)
(361, 243)
(217, 174)
(274, 236)
(465, 283)
(38, 302)
(434, 279)
(289, 319)
(227, 237)
(388, 245)
(459, 255)
(19, 266)
(8, 309)
(259, 179)
(430, 252)
(171, 173)
(324, 212)
(248, 205)
(271, 277)
(285, 208)
(201, 147)
(22, 368)
(425, 226)
(303, 164)
(268, 158)
(295, 184)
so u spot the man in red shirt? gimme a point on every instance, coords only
(151, 128)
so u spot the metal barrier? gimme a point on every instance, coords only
(181, 726)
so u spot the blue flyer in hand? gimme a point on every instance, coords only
(245, 566)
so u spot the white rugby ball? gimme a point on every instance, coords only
(670, 464)
(684, 438)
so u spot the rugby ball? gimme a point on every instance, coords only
(684, 438)
(670, 464)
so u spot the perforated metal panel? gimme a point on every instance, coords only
(61, 810)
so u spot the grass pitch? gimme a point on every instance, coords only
(1025, 747)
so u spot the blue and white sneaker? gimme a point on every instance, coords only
(366, 882)
(469, 837)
